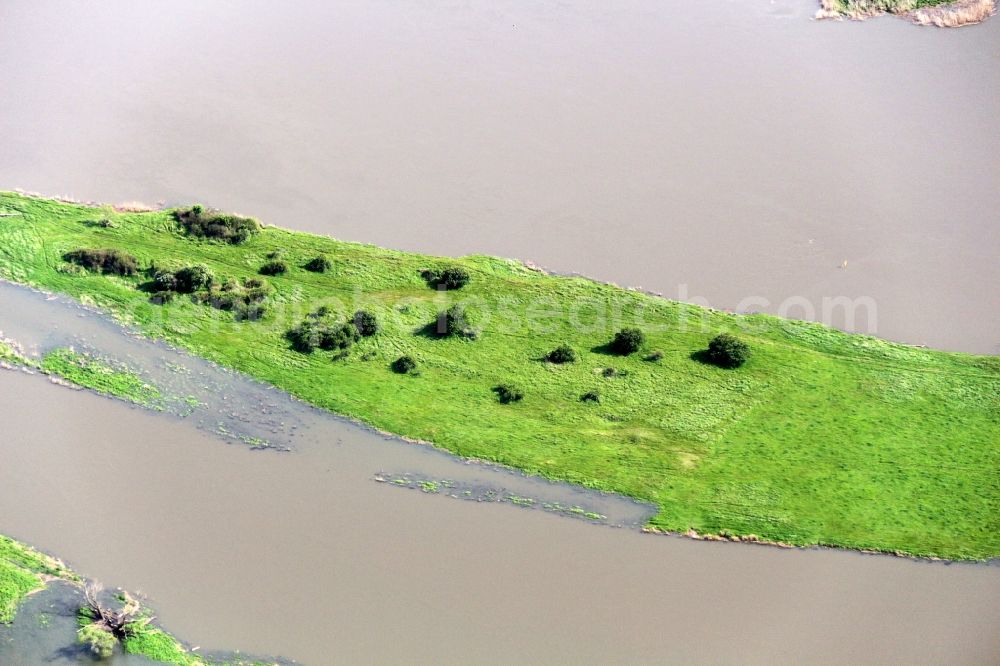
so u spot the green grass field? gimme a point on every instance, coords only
(822, 438)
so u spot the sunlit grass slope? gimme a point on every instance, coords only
(822, 438)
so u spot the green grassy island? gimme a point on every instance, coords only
(784, 431)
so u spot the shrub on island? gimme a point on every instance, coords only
(449, 278)
(507, 393)
(627, 341)
(455, 322)
(366, 323)
(320, 331)
(404, 365)
(590, 396)
(244, 299)
(319, 264)
(728, 351)
(107, 261)
(165, 281)
(192, 278)
(162, 297)
(562, 354)
(215, 225)
(276, 267)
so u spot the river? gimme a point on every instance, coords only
(733, 151)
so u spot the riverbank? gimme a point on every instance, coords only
(25, 571)
(823, 438)
(940, 13)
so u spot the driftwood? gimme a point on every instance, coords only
(119, 622)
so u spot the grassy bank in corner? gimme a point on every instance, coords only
(821, 438)
(24, 570)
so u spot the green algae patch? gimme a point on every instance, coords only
(102, 376)
(822, 437)
(11, 354)
(159, 646)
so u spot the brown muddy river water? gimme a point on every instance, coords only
(733, 150)
(729, 150)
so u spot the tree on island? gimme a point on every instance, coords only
(728, 351)
(627, 341)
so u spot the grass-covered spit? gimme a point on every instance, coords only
(819, 437)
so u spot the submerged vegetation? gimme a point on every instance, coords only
(102, 376)
(819, 438)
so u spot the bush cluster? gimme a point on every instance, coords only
(100, 641)
(562, 354)
(192, 278)
(316, 333)
(449, 278)
(216, 225)
(320, 330)
(276, 267)
(627, 341)
(186, 280)
(507, 393)
(319, 264)
(590, 396)
(109, 261)
(404, 365)
(244, 299)
(728, 351)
